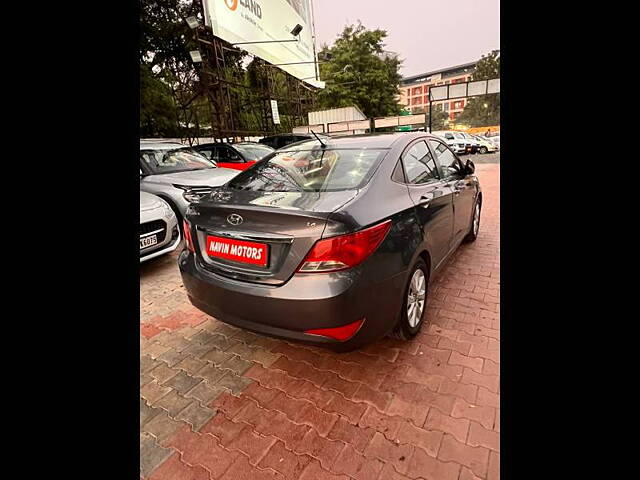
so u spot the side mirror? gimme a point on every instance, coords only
(470, 167)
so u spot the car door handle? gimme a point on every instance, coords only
(424, 201)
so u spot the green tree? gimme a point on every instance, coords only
(483, 110)
(440, 118)
(168, 80)
(158, 114)
(359, 72)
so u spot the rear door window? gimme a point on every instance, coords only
(233, 156)
(419, 165)
(450, 165)
(207, 152)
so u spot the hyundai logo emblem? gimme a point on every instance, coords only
(235, 219)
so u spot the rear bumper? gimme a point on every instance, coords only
(305, 302)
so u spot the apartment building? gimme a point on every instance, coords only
(414, 90)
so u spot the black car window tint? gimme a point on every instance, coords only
(222, 154)
(448, 161)
(233, 156)
(419, 166)
(207, 152)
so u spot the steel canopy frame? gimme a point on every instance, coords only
(461, 90)
(237, 108)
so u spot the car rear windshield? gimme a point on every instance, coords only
(253, 152)
(171, 161)
(311, 170)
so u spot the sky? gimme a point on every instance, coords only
(427, 34)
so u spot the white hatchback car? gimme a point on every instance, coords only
(159, 232)
(486, 145)
(456, 141)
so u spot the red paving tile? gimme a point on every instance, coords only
(428, 408)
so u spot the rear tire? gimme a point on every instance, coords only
(484, 150)
(414, 304)
(475, 222)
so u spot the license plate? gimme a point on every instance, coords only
(148, 241)
(237, 250)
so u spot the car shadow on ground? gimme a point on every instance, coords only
(161, 263)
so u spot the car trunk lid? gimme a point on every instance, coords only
(285, 224)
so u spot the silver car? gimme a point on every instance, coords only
(178, 174)
(159, 232)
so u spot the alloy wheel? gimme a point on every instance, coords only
(476, 219)
(415, 298)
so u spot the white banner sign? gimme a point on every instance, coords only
(360, 125)
(412, 119)
(274, 112)
(385, 122)
(239, 21)
(309, 129)
(338, 127)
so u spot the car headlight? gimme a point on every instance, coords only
(167, 209)
(193, 194)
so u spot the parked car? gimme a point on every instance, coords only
(178, 174)
(331, 244)
(238, 156)
(475, 144)
(485, 145)
(159, 232)
(456, 142)
(283, 139)
(495, 139)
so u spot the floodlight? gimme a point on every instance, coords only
(296, 30)
(195, 56)
(192, 22)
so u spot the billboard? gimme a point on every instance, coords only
(267, 20)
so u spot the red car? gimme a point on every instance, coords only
(239, 156)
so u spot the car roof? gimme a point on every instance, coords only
(367, 140)
(150, 145)
(209, 144)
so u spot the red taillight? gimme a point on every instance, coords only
(186, 226)
(338, 333)
(345, 251)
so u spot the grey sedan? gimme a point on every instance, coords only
(178, 174)
(332, 242)
(159, 232)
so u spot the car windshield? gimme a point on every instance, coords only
(171, 161)
(253, 152)
(303, 169)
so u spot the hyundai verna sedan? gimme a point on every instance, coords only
(331, 243)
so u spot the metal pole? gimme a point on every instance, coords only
(315, 54)
(430, 110)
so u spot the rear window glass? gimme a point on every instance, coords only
(253, 152)
(311, 170)
(171, 161)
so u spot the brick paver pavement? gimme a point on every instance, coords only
(217, 402)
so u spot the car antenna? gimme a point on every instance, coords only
(318, 138)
